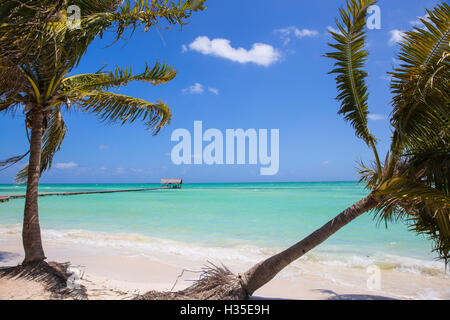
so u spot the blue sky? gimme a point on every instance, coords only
(281, 83)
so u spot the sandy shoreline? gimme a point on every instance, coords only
(112, 272)
(122, 277)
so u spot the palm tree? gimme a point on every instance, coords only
(413, 183)
(38, 50)
(415, 180)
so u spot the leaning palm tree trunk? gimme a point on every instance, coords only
(265, 271)
(218, 283)
(31, 232)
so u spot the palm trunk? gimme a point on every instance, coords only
(266, 270)
(31, 233)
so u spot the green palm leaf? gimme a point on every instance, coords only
(103, 17)
(420, 84)
(53, 50)
(417, 184)
(90, 7)
(411, 195)
(350, 56)
(426, 208)
(112, 107)
(159, 74)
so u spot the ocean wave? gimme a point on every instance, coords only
(383, 261)
(137, 244)
(141, 245)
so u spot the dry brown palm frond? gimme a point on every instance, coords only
(52, 275)
(215, 283)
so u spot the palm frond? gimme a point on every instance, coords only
(146, 13)
(436, 227)
(90, 7)
(5, 164)
(11, 83)
(23, 26)
(368, 176)
(130, 16)
(53, 49)
(350, 56)
(420, 84)
(112, 107)
(425, 208)
(160, 73)
(430, 163)
(417, 184)
(412, 195)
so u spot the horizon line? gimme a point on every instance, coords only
(219, 182)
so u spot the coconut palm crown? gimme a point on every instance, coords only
(41, 43)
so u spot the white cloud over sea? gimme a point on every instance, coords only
(260, 53)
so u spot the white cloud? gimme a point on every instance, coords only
(305, 33)
(286, 34)
(326, 162)
(377, 117)
(196, 88)
(418, 23)
(66, 165)
(396, 36)
(213, 90)
(330, 28)
(260, 53)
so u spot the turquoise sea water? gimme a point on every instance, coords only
(267, 215)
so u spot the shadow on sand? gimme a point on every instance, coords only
(335, 296)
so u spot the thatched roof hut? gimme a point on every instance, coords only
(172, 183)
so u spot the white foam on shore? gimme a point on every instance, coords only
(383, 261)
(136, 245)
(406, 277)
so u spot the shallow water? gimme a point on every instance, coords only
(267, 216)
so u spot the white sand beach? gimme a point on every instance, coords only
(115, 272)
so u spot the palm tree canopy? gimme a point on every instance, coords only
(36, 58)
(417, 182)
(413, 184)
(420, 84)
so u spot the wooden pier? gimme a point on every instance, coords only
(19, 196)
(166, 184)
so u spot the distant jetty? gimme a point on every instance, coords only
(19, 196)
(165, 184)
